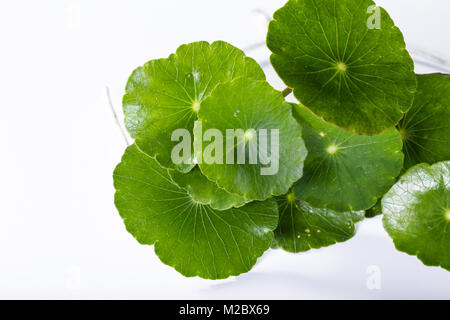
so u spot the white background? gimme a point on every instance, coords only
(60, 234)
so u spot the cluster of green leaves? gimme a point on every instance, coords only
(364, 118)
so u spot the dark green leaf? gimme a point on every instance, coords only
(345, 171)
(426, 127)
(191, 237)
(374, 211)
(166, 94)
(357, 77)
(303, 227)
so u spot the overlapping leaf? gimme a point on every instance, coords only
(345, 171)
(191, 237)
(206, 192)
(426, 127)
(276, 141)
(417, 213)
(303, 227)
(347, 62)
(342, 64)
(165, 94)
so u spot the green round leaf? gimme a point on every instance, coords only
(303, 227)
(417, 213)
(205, 191)
(277, 142)
(193, 238)
(166, 94)
(342, 64)
(426, 127)
(345, 171)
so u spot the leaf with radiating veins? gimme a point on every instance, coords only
(303, 227)
(192, 237)
(268, 129)
(425, 129)
(417, 213)
(345, 171)
(359, 78)
(205, 191)
(166, 94)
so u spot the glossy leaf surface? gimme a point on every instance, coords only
(345, 60)
(303, 227)
(426, 127)
(165, 94)
(193, 238)
(417, 213)
(247, 105)
(345, 171)
(205, 191)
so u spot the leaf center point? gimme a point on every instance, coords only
(290, 197)
(196, 106)
(341, 67)
(249, 135)
(447, 214)
(332, 149)
(404, 133)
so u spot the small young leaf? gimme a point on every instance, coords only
(246, 105)
(166, 94)
(345, 171)
(303, 227)
(206, 192)
(345, 60)
(417, 213)
(193, 238)
(426, 127)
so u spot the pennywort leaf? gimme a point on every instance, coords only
(261, 129)
(425, 128)
(303, 227)
(165, 94)
(417, 213)
(345, 171)
(206, 192)
(194, 238)
(346, 69)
